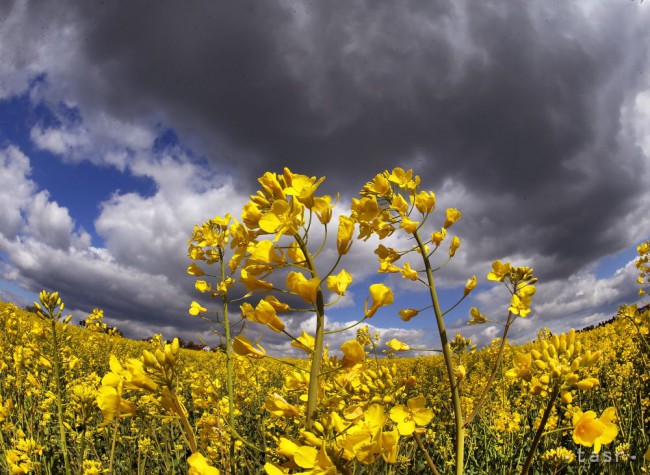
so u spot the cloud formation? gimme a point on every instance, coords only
(531, 119)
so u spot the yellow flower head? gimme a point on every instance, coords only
(196, 309)
(407, 313)
(381, 295)
(438, 236)
(344, 236)
(589, 431)
(353, 354)
(499, 271)
(199, 465)
(409, 225)
(195, 270)
(425, 202)
(522, 369)
(323, 208)
(282, 218)
(453, 215)
(404, 179)
(279, 407)
(379, 186)
(397, 345)
(244, 347)
(453, 247)
(301, 187)
(415, 413)
(300, 285)
(470, 285)
(477, 316)
(339, 283)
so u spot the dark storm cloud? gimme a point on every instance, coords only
(519, 104)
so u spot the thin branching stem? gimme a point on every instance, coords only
(447, 355)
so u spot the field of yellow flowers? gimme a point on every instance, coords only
(88, 401)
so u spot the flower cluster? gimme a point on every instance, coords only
(555, 364)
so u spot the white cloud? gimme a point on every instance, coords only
(15, 190)
(280, 344)
(52, 225)
(60, 141)
(582, 300)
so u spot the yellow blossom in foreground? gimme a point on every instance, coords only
(453, 215)
(353, 353)
(425, 202)
(438, 236)
(196, 309)
(93, 467)
(522, 369)
(381, 295)
(339, 283)
(409, 225)
(323, 208)
(397, 345)
(407, 313)
(202, 286)
(588, 431)
(305, 288)
(279, 407)
(304, 342)
(477, 316)
(453, 247)
(470, 285)
(558, 456)
(195, 270)
(110, 402)
(344, 236)
(244, 347)
(414, 413)
(499, 271)
(200, 466)
(408, 273)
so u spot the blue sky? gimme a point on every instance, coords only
(117, 135)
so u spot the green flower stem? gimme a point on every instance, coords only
(229, 369)
(317, 357)
(540, 429)
(189, 433)
(427, 457)
(59, 397)
(455, 305)
(347, 328)
(113, 441)
(287, 363)
(447, 354)
(497, 364)
(561, 429)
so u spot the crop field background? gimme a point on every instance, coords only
(151, 440)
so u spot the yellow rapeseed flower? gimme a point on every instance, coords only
(470, 285)
(414, 413)
(339, 283)
(244, 347)
(453, 247)
(589, 431)
(344, 235)
(407, 313)
(453, 215)
(199, 465)
(381, 295)
(300, 285)
(397, 345)
(196, 309)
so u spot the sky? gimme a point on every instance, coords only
(124, 124)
